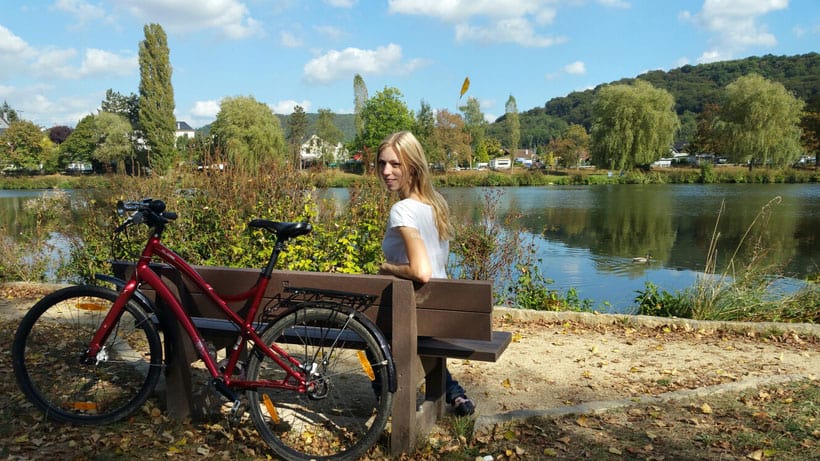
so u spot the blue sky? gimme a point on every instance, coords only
(58, 57)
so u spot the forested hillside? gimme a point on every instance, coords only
(695, 86)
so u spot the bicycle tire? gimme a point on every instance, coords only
(348, 411)
(55, 333)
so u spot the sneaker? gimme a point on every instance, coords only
(463, 406)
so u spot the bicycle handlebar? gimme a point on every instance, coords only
(149, 211)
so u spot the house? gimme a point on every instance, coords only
(500, 164)
(183, 129)
(315, 149)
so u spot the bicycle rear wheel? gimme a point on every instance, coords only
(55, 334)
(347, 407)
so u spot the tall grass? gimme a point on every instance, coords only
(746, 288)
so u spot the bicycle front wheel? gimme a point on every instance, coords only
(54, 335)
(348, 402)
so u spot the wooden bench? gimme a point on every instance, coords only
(427, 324)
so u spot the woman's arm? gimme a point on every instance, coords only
(418, 268)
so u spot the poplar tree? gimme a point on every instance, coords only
(359, 100)
(513, 125)
(156, 99)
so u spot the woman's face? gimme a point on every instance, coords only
(392, 173)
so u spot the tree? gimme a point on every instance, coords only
(577, 145)
(811, 135)
(423, 128)
(451, 139)
(359, 101)
(513, 125)
(80, 145)
(127, 106)
(296, 133)
(759, 122)
(58, 134)
(156, 99)
(7, 114)
(632, 125)
(329, 133)
(114, 140)
(20, 145)
(475, 125)
(383, 114)
(249, 134)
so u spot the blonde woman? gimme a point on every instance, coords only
(417, 241)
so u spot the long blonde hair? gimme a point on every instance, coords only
(414, 164)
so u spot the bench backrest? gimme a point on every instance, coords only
(444, 308)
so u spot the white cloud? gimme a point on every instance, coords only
(289, 40)
(512, 30)
(205, 109)
(341, 3)
(84, 12)
(333, 33)
(735, 26)
(101, 62)
(488, 21)
(286, 107)
(576, 68)
(615, 3)
(231, 17)
(338, 65)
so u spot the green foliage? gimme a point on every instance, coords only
(156, 98)
(114, 145)
(80, 144)
(249, 134)
(512, 124)
(531, 291)
(633, 125)
(383, 114)
(760, 122)
(661, 303)
(25, 146)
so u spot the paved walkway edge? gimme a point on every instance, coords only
(485, 423)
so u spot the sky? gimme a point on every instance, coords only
(58, 57)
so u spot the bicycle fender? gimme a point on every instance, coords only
(384, 345)
(119, 283)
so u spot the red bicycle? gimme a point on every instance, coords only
(318, 382)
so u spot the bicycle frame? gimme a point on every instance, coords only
(145, 274)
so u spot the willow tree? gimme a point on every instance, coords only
(759, 122)
(113, 132)
(633, 125)
(156, 99)
(248, 133)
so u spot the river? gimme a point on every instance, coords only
(587, 236)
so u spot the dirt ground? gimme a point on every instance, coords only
(565, 361)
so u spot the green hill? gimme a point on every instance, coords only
(692, 87)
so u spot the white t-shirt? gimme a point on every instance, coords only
(412, 213)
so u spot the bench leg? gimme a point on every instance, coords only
(178, 382)
(435, 370)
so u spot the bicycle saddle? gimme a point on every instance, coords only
(283, 230)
